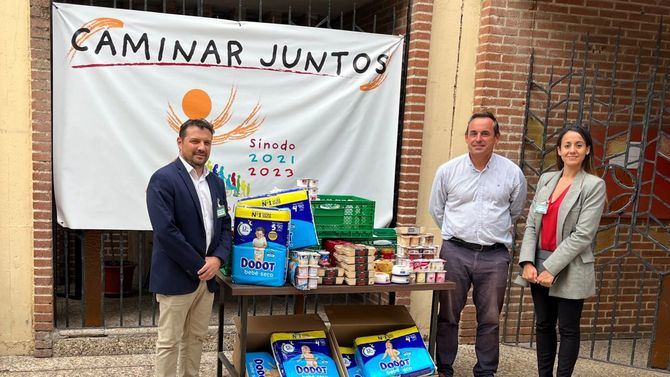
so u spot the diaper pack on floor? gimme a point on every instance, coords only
(349, 360)
(261, 364)
(304, 354)
(397, 353)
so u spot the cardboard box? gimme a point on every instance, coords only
(259, 329)
(348, 322)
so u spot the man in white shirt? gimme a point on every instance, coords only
(475, 199)
(192, 238)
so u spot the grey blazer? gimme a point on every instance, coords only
(572, 263)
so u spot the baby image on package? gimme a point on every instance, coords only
(398, 353)
(304, 354)
(261, 364)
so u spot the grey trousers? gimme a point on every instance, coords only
(486, 273)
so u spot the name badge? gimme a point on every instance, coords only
(541, 207)
(221, 210)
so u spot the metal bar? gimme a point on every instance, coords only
(183, 6)
(595, 315)
(569, 77)
(640, 297)
(219, 333)
(374, 23)
(309, 13)
(243, 337)
(592, 102)
(82, 293)
(393, 21)
(122, 265)
(239, 10)
(271, 304)
(546, 119)
(253, 304)
(140, 248)
(260, 10)
(434, 308)
(102, 277)
(614, 305)
(200, 7)
(66, 243)
(353, 18)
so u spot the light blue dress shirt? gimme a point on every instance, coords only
(478, 206)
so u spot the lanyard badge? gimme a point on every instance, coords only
(541, 207)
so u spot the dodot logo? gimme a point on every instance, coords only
(368, 351)
(288, 348)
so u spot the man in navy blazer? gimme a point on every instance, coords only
(192, 239)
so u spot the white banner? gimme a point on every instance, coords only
(287, 102)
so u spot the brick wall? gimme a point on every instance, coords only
(41, 125)
(509, 31)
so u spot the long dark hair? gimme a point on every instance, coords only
(587, 164)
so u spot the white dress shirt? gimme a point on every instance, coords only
(478, 206)
(205, 198)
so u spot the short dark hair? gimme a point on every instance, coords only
(485, 114)
(587, 164)
(260, 228)
(200, 123)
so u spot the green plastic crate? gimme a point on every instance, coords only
(343, 216)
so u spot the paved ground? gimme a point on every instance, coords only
(515, 362)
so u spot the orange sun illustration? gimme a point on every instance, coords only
(197, 104)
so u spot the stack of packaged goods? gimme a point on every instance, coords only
(416, 249)
(357, 262)
(265, 228)
(303, 269)
(312, 186)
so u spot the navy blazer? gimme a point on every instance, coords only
(179, 234)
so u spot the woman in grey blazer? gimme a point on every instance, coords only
(557, 250)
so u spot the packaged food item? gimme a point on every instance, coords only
(355, 250)
(313, 282)
(427, 239)
(400, 274)
(382, 278)
(411, 230)
(412, 278)
(430, 277)
(383, 265)
(324, 258)
(261, 364)
(440, 276)
(420, 277)
(304, 354)
(397, 353)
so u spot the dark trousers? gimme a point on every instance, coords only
(486, 272)
(567, 312)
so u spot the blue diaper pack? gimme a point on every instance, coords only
(261, 227)
(304, 354)
(349, 360)
(397, 353)
(259, 266)
(261, 364)
(303, 232)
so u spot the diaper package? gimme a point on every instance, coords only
(303, 232)
(266, 268)
(261, 364)
(261, 227)
(349, 360)
(304, 354)
(398, 353)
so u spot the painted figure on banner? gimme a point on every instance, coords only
(191, 240)
(475, 200)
